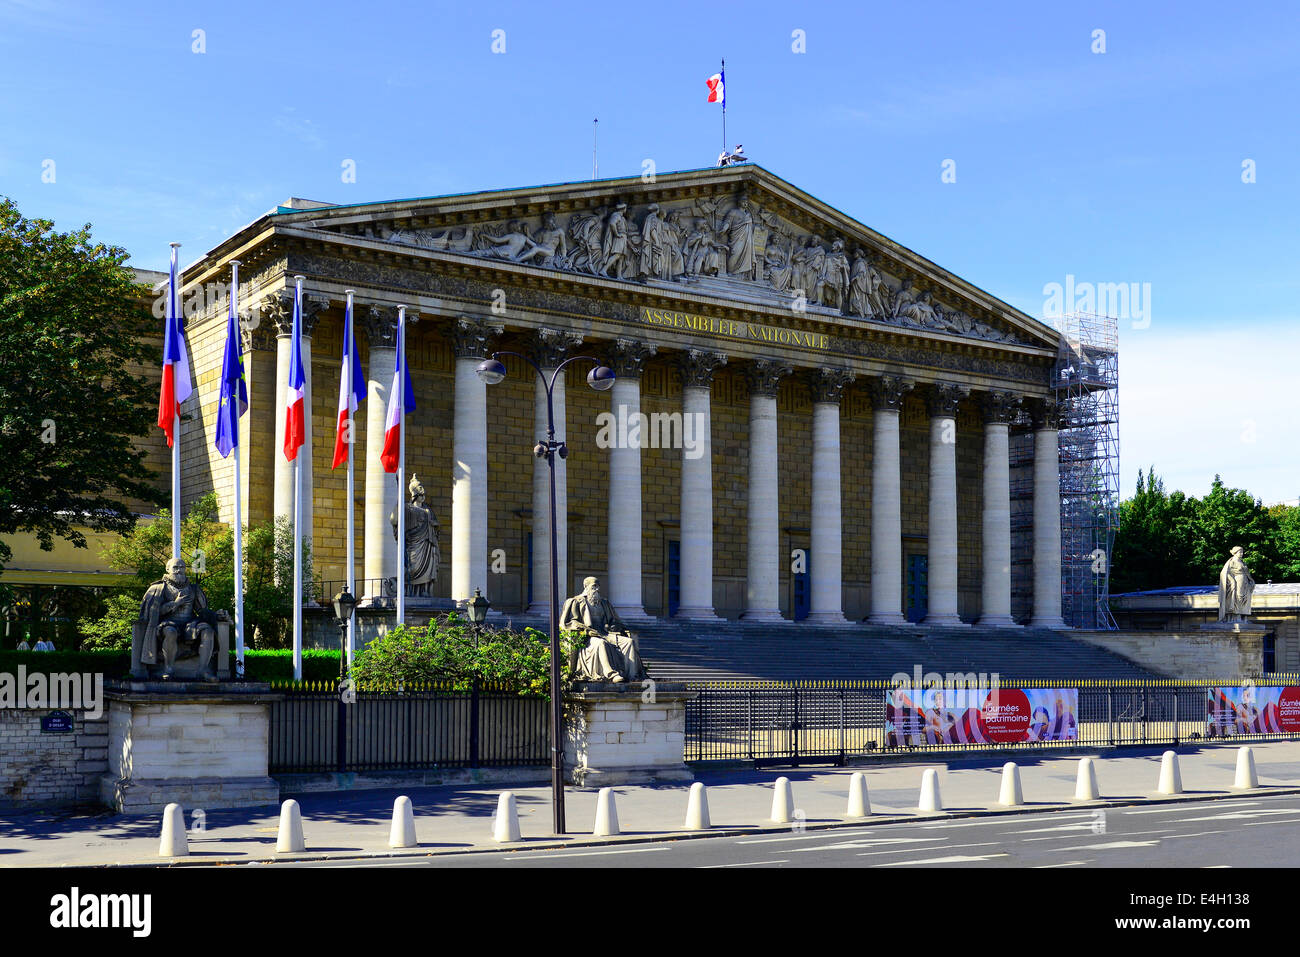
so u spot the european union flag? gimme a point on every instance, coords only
(234, 390)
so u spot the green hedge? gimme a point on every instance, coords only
(259, 665)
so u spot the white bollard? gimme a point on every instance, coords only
(782, 801)
(402, 833)
(1011, 795)
(174, 842)
(290, 836)
(859, 801)
(505, 827)
(1086, 788)
(606, 814)
(1246, 776)
(930, 801)
(697, 809)
(1171, 780)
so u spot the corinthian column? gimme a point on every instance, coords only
(826, 554)
(548, 348)
(763, 582)
(697, 368)
(625, 588)
(472, 340)
(380, 546)
(942, 548)
(1047, 516)
(995, 587)
(886, 501)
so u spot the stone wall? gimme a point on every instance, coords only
(1188, 654)
(48, 769)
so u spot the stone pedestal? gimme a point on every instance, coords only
(625, 734)
(198, 744)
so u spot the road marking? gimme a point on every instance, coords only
(1197, 834)
(776, 840)
(955, 859)
(709, 867)
(1041, 867)
(909, 850)
(1004, 819)
(1181, 807)
(1242, 815)
(1113, 845)
(867, 842)
(1057, 837)
(564, 852)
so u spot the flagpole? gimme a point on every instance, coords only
(595, 127)
(401, 466)
(239, 511)
(174, 301)
(723, 74)
(349, 334)
(297, 523)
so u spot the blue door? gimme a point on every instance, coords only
(674, 576)
(802, 596)
(918, 569)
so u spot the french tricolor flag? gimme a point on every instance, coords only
(295, 411)
(401, 400)
(352, 386)
(717, 89)
(176, 384)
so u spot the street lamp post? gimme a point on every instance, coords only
(600, 378)
(344, 604)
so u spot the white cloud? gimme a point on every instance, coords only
(1196, 402)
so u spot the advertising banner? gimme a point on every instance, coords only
(1251, 710)
(980, 715)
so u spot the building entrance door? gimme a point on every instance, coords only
(918, 570)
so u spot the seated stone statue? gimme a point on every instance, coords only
(175, 623)
(611, 652)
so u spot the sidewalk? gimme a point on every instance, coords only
(458, 819)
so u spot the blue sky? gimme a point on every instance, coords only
(1117, 167)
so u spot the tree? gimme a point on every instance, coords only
(208, 549)
(71, 331)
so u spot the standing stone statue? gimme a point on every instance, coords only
(614, 245)
(611, 652)
(1235, 588)
(176, 623)
(654, 252)
(738, 230)
(585, 230)
(833, 280)
(422, 554)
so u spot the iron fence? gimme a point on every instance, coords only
(829, 721)
(314, 729)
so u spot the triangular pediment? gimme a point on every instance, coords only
(739, 234)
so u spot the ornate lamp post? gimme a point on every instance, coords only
(478, 608)
(344, 604)
(600, 378)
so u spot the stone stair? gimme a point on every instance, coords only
(789, 651)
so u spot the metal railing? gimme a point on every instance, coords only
(834, 721)
(316, 728)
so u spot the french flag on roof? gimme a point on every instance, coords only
(717, 88)
(295, 412)
(352, 386)
(401, 400)
(176, 384)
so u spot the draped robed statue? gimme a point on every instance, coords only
(1236, 588)
(610, 653)
(421, 549)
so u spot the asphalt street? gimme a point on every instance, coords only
(1256, 831)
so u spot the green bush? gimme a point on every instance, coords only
(447, 650)
(276, 664)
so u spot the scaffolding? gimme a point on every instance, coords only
(1086, 380)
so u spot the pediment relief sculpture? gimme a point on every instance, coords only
(718, 245)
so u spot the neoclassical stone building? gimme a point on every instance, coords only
(825, 416)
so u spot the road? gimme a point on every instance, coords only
(1258, 831)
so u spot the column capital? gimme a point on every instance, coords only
(549, 347)
(697, 367)
(765, 375)
(999, 408)
(380, 325)
(1045, 412)
(474, 338)
(255, 336)
(887, 392)
(629, 356)
(827, 384)
(278, 308)
(943, 397)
